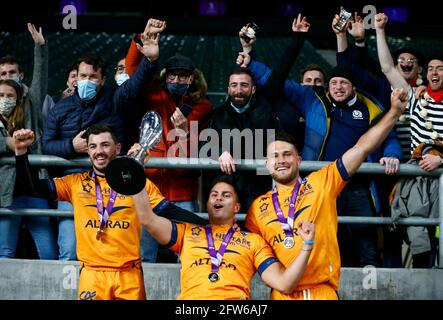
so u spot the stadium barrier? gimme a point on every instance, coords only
(58, 280)
(209, 164)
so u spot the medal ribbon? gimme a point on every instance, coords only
(216, 256)
(103, 215)
(286, 224)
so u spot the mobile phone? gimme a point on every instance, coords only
(186, 109)
(343, 19)
(251, 30)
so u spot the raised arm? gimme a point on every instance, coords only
(356, 58)
(132, 89)
(357, 30)
(135, 53)
(150, 39)
(39, 84)
(384, 55)
(275, 85)
(342, 40)
(27, 176)
(285, 280)
(246, 45)
(166, 209)
(160, 228)
(354, 157)
(354, 27)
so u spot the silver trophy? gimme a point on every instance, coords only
(126, 175)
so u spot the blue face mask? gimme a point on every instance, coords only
(121, 78)
(16, 79)
(242, 109)
(87, 89)
(178, 89)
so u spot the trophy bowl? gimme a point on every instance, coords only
(126, 174)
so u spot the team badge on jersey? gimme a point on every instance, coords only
(264, 207)
(357, 114)
(196, 231)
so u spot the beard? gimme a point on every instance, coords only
(245, 101)
(99, 169)
(102, 167)
(284, 179)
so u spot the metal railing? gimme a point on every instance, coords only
(209, 164)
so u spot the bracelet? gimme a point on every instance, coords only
(309, 242)
(306, 249)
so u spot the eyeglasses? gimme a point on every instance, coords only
(409, 60)
(120, 68)
(181, 77)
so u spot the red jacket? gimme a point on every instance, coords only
(174, 184)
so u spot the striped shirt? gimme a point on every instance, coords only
(432, 114)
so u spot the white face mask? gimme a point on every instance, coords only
(7, 105)
(121, 78)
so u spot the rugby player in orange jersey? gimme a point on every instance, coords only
(219, 260)
(107, 228)
(312, 199)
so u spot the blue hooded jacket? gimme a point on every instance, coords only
(311, 103)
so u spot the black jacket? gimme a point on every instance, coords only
(260, 115)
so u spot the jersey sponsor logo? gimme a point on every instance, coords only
(279, 238)
(305, 191)
(87, 295)
(207, 261)
(357, 115)
(235, 240)
(112, 224)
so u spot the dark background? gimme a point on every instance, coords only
(106, 28)
(273, 16)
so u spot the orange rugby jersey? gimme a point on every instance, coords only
(245, 254)
(316, 202)
(119, 246)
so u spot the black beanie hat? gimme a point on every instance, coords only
(342, 72)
